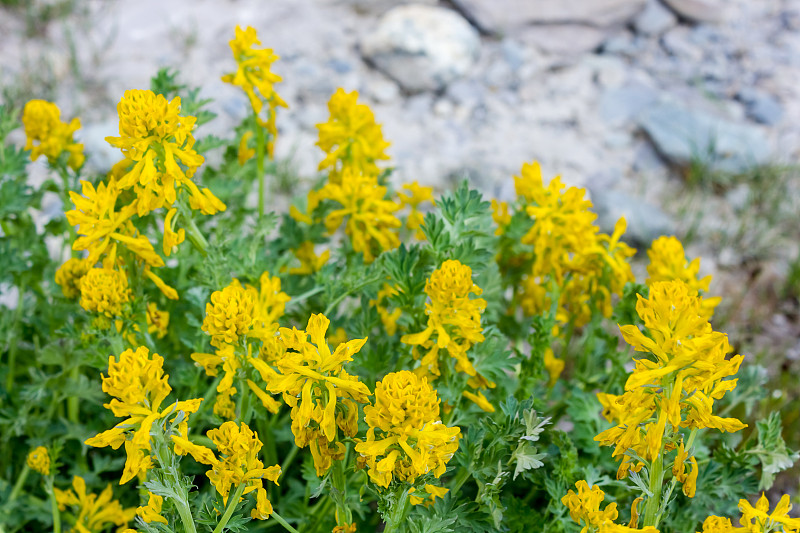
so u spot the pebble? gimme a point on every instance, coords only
(761, 107)
(654, 19)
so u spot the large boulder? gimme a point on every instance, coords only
(505, 15)
(422, 47)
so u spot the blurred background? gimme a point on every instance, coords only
(681, 115)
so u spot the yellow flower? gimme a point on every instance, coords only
(553, 365)
(405, 439)
(157, 321)
(230, 314)
(244, 154)
(238, 447)
(152, 511)
(94, 513)
(415, 196)
(172, 238)
(69, 275)
(584, 508)
(271, 302)
(39, 460)
(310, 262)
(567, 248)
(43, 126)
(760, 517)
(346, 528)
(501, 216)
(479, 399)
(138, 387)
(674, 388)
(389, 319)
(350, 138)
(315, 385)
(105, 291)
(100, 226)
(668, 262)
(158, 146)
(370, 217)
(428, 499)
(254, 77)
(454, 320)
(717, 524)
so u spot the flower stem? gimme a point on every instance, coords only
(196, 237)
(233, 502)
(278, 518)
(54, 508)
(12, 344)
(259, 163)
(72, 402)
(656, 483)
(398, 515)
(18, 486)
(173, 476)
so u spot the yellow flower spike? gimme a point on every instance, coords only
(255, 77)
(69, 276)
(104, 291)
(48, 136)
(412, 440)
(152, 511)
(453, 318)
(351, 139)
(92, 512)
(39, 460)
(584, 508)
(371, 224)
(230, 314)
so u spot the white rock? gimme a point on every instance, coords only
(503, 15)
(564, 39)
(422, 47)
(654, 19)
(699, 10)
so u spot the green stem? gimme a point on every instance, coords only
(173, 476)
(233, 502)
(656, 485)
(12, 348)
(259, 164)
(18, 485)
(278, 518)
(54, 508)
(72, 402)
(289, 459)
(196, 236)
(336, 301)
(462, 477)
(398, 515)
(343, 512)
(306, 295)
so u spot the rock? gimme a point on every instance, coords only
(466, 92)
(678, 43)
(646, 222)
(382, 90)
(504, 15)
(421, 47)
(654, 19)
(682, 135)
(761, 107)
(699, 10)
(378, 7)
(618, 106)
(564, 39)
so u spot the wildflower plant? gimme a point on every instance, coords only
(379, 356)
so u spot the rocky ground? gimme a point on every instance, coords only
(661, 108)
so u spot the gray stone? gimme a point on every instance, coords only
(513, 53)
(382, 90)
(421, 47)
(682, 135)
(699, 10)
(646, 222)
(379, 7)
(466, 92)
(678, 43)
(505, 15)
(564, 39)
(761, 107)
(654, 19)
(618, 106)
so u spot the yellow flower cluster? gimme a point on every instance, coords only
(351, 138)
(255, 77)
(406, 439)
(454, 324)
(39, 460)
(587, 266)
(157, 144)
(674, 388)
(584, 509)
(105, 291)
(238, 447)
(756, 519)
(48, 136)
(234, 313)
(69, 275)
(310, 262)
(138, 387)
(371, 222)
(94, 513)
(323, 396)
(668, 262)
(415, 196)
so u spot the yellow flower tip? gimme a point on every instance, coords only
(48, 136)
(69, 276)
(152, 511)
(230, 314)
(39, 460)
(480, 400)
(104, 291)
